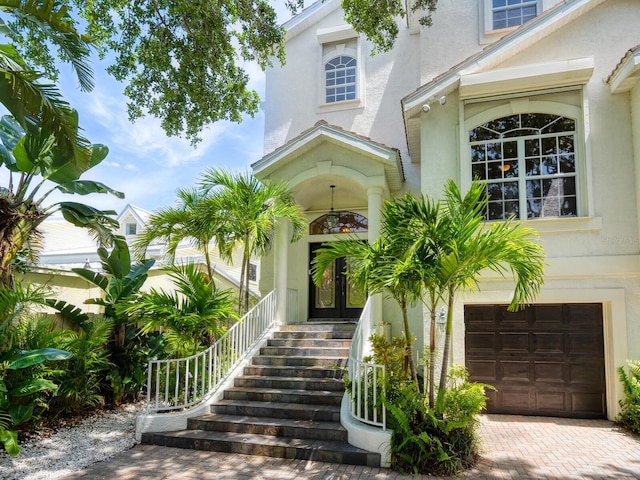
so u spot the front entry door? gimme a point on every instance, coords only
(336, 298)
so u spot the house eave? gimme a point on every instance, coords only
(627, 72)
(322, 132)
(525, 36)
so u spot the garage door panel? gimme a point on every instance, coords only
(586, 342)
(544, 359)
(513, 341)
(588, 404)
(481, 342)
(586, 374)
(549, 342)
(549, 372)
(483, 371)
(515, 401)
(514, 371)
(551, 402)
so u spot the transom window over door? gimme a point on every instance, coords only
(340, 79)
(528, 164)
(512, 13)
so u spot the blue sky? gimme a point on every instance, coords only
(143, 162)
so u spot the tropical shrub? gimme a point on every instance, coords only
(25, 385)
(440, 440)
(630, 415)
(81, 379)
(192, 317)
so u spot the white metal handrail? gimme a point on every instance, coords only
(179, 383)
(366, 379)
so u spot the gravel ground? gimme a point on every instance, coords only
(72, 448)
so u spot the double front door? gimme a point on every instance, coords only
(336, 297)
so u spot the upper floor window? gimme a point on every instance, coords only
(512, 13)
(340, 79)
(130, 229)
(528, 163)
(341, 74)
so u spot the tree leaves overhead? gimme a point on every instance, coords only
(378, 20)
(183, 60)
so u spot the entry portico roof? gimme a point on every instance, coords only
(322, 132)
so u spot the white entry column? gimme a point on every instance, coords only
(280, 269)
(374, 213)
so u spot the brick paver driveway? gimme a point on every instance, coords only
(514, 447)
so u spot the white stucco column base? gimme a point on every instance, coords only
(364, 436)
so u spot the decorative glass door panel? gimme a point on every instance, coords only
(325, 294)
(336, 297)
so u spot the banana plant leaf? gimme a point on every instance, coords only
(32, 357)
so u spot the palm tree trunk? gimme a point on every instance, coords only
(207, 259)
(407, 333)
(432, 354)
(447, 342)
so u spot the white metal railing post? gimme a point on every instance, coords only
(366, 378)
(209, 367)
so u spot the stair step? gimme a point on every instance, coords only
(306, 397)
(318, 413)
(319, 327)
(278, 447)
(299, 361)
(299, 371)
(297, 383)
(277, 427)
(327, 335)
(315, 343)
(306, 351)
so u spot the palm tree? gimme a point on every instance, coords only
(248, 211)
(381, 267)
(193, 316)
(185, 221)
(419, 228)
(466, 246)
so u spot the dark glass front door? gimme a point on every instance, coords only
(336, 297)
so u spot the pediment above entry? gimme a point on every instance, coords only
(327, 151)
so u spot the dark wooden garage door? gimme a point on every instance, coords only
(544, 360)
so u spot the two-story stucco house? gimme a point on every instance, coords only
(539, 99)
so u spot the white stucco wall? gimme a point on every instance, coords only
(594, 258)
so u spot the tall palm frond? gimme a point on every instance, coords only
(248, 212)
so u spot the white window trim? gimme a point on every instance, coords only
(331, 35)
(583, 176)
(486, 31)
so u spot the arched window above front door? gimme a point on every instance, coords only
(339, 222)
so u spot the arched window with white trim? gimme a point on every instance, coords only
(528, 164)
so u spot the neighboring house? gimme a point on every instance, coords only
(66, 246)
(540, 99)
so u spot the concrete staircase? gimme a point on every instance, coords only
(285, 405)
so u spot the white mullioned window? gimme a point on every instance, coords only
(513, 13)
(340, 74)
(528, 164)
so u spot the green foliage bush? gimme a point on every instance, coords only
(630, 415)
(441, 440)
